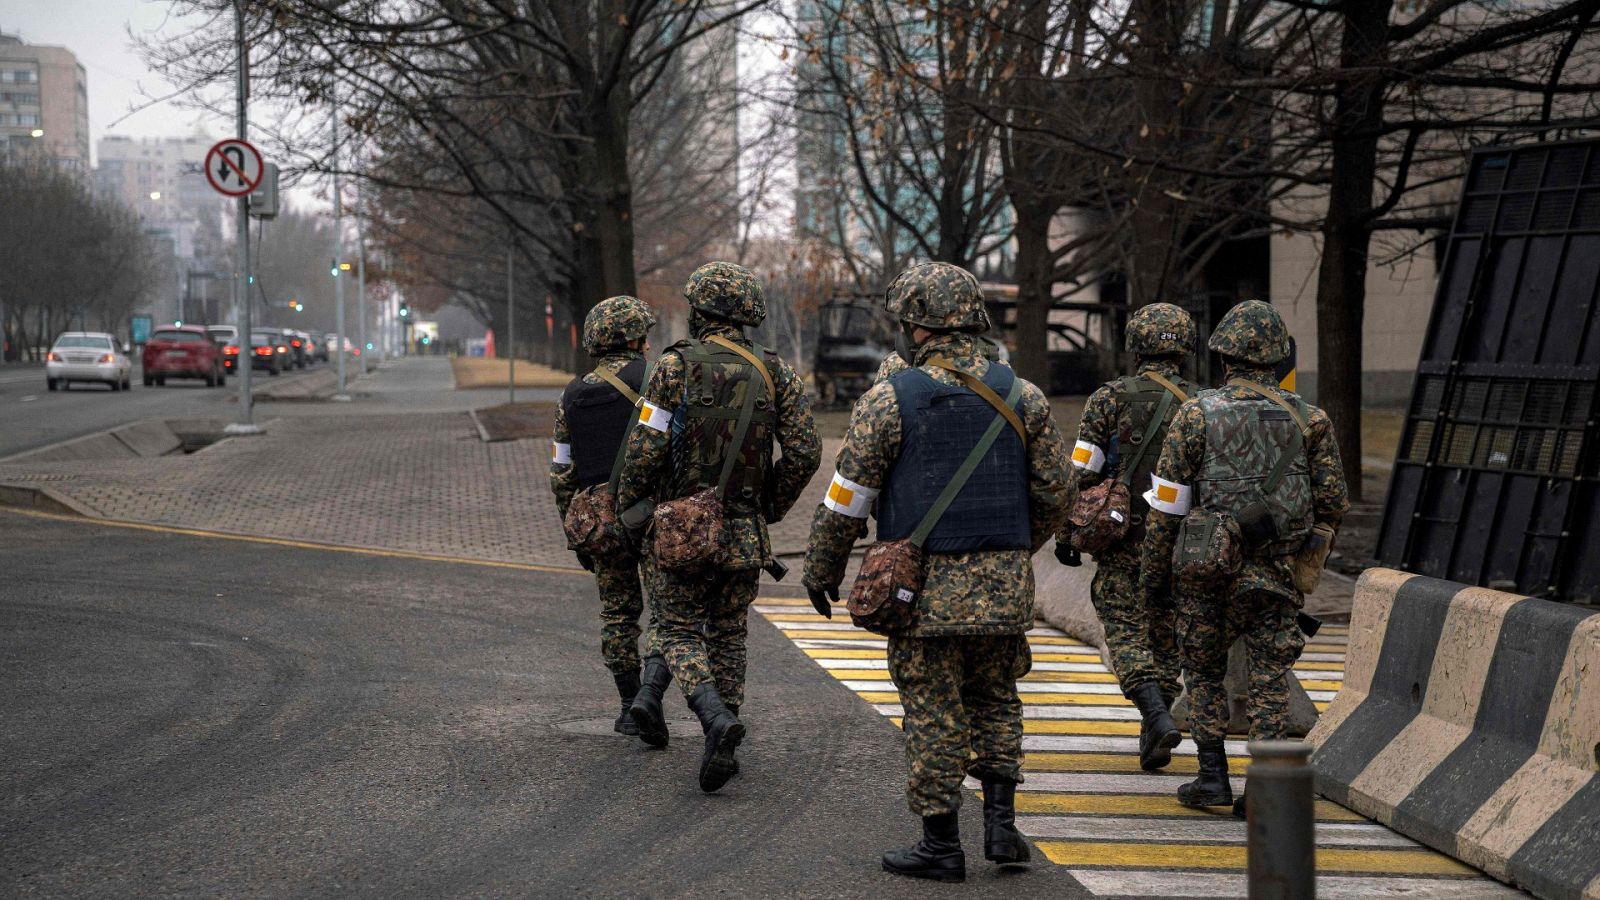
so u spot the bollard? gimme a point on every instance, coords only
(1282, 847)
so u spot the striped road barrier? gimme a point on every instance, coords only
(1118, 830)
(1470, 721)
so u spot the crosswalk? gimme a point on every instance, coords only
(1118, 830)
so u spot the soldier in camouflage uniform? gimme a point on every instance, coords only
(1221, 441)
(1119, 437)
(957, 668)
(679, 450)
(591, 421)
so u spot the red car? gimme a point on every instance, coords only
(183, 351)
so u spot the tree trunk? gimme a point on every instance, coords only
(1346, 231)
(1034, 294)
(1154, 57)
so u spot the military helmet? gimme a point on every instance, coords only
(1252, 332)
(939, 296)
(1159, 329)
(615, 321)
(727, 291)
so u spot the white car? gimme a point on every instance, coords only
(87, 356)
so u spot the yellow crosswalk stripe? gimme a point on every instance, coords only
(1036, 803)
(826, 653)
(1101, 854)
(1027, 699)
(1077, 726)
(1102, 762)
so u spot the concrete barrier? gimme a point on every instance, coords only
(1470, 720)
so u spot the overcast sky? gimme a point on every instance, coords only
(98, 32)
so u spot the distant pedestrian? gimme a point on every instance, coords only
(1119, 439)
(968, 476)
(592, 420)
(699, 487)
(1246, 498)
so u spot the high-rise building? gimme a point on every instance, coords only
(44, 105)
(159, 178)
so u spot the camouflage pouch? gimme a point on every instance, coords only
(1306, 568)
(691, 533)
(591, 522)
(1208, 552)
(1100, 516)
(884, 598)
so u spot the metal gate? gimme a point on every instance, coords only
(1494, 482)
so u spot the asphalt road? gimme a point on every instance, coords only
(205, 716)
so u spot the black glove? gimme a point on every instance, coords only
(1068, 555)
(586, 561)
(820, 599)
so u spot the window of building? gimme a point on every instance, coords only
(19, 76)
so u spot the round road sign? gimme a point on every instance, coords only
(233, 167)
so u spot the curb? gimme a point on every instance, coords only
(478, 424)
(1470, 721)
(43, 499)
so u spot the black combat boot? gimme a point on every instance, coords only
(1212, 787)
(937, 856)
(733, 708)
(627, 689)
(1239, 809)
(723, 730)
(646, 708)
(1002, 842)
(1158, 734)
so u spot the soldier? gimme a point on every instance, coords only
(957, 667)
(591, 421)
(1262, 465)
(1120, 437)
(694, 408)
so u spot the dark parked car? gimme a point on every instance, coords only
(226, 337)
(268, 351)
(183, 351)
(299, 348)
(311, 345)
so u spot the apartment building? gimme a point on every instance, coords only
(44, 105)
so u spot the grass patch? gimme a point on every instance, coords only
(514, 421)
(473, 372)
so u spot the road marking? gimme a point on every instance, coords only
(29, 399)
(1103, 854)
(1119, 829)
(298, 545)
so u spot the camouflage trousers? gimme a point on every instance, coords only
(702, 628)
(962, 713)
(1142, 638)
(1208, 624)
(621, 605)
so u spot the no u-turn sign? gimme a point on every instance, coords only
(233, 167)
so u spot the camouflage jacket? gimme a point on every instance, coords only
(964, 593)
(646, 467)
(1099, 427)
(564, 475)
(1182, 459)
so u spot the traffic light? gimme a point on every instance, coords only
(405, 311)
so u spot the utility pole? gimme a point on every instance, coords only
(338, 253)
(361, 293)
(511, 321)
(246, 423)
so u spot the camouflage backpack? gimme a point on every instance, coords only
(1256, 469)
(1114, 510)
(720, 456)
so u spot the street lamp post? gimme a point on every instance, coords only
(338, 265)
(246, 423)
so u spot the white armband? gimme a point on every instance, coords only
(1088, 457)
(1168, 497)
(653, 416)
(847, 498)
(560, 454)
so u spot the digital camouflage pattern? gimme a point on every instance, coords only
(1252, 332)
(621, 605)
(717, 384)
(1139, 627)
(1208, 552)
(938, 296)
(1159, 329)
(727, 291)
(1261, 601)
(884, 596)
(689, 533)
(702, 624)
(895, 363)
(618, 581)
(957, 669)
(615, 321)
(962, 713)
(1242, 448)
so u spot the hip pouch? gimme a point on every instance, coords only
(1306, 568)
(591, 522)
(1208, 552)
(883, 599)
(1100, 516)
(691, 533)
